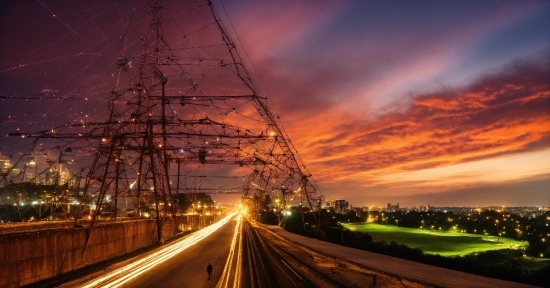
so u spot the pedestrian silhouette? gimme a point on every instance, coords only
(209, 270)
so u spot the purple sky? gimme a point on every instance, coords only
(446, 103)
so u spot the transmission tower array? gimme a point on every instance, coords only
(182, 101)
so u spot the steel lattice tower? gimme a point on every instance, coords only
(181, 104)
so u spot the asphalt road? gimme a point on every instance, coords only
(239, 256)
(188, 268)
(238, 259)
(262, 266)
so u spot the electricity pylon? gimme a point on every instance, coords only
(183, 101)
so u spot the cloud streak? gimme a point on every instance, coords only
(380, 97)
(501, 114)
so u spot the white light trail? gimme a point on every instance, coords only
(133, 270)
(237, 282)
(224, 280)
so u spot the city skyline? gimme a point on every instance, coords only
(386, 102)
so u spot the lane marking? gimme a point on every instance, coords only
(224, 280)
(292, 270)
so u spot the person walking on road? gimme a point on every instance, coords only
(209, 270)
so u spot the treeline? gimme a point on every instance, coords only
(500, 264)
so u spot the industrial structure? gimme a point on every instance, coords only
(184, 117)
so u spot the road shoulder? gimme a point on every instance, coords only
(410, 270)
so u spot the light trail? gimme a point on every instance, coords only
(237, 281)
(133, 270)
(224, 280)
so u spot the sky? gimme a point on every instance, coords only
(444, 103)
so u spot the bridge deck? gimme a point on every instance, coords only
(395, 266)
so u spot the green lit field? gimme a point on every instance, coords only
(445, 243)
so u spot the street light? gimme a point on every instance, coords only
(498, 234)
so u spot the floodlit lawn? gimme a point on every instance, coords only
(445, 243)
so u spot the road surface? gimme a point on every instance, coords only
(188, 268)
(237, 253)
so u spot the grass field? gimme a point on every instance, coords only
(445, 243)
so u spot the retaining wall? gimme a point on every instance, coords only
(29, 257)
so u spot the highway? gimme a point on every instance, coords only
(239, 255)
(264, 268)
(245, 254)
(178, 264)
(188, 268)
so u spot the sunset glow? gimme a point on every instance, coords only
(384, 101)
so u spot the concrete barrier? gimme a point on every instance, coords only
(28, 257)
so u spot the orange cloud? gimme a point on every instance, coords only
(498, 115)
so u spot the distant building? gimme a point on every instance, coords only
(330, 203)
(6, 168)
(30, 177)
(56, 176)
(338, 206)
(5, 164)
(393, 208)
